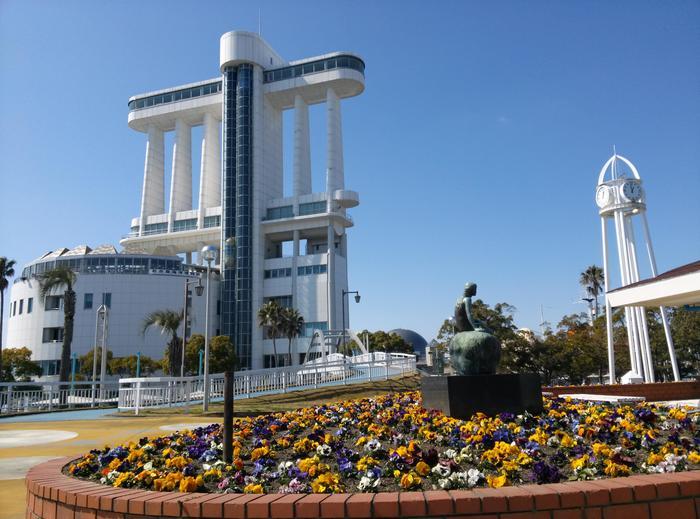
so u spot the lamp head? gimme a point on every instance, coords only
(199, 289)
(208, 253)
(357, 298)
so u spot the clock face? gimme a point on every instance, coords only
(602, 196)
(632, 191)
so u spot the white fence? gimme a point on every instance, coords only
(139, 393)
(28, 397)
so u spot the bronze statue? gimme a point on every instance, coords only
(473, 349)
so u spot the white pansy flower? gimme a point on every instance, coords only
(149, 466)
(284, 466)
(441, 471)
(444, 483)
(373, 445)
(364, 483)
(450, 454)
(459, 479)
(473, 477)
(324, 450)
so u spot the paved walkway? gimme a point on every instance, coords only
(61, 416)
(30, 440)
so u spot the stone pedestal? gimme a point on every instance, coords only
(460, 396)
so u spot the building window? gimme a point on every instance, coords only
(30, 305)
(21, 306)
(155, 228)
(269, 360)
(212, 221)
(308, 270)
(185, 225)
(54, 334)
(312, 208)
(53, 303)
(49, 367)
(309, 328)
(107, 299)
(278, 273)
(87, 301)
(14, 308)
(275, 213)
(283, 301)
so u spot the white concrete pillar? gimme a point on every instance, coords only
(664, 317)
(330, 273)
(181, 179)
(334, 148)
(295, 264)
(302, 148)
(153, 194)
(210, 172)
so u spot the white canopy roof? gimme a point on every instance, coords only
(677, 287)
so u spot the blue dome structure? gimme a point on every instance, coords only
(417, 342)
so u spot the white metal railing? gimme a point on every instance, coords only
(27, 397)
(138, 393)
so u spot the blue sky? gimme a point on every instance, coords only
(475, 147)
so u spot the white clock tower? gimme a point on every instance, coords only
(620, 198)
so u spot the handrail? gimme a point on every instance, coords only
(26, 397)
(151, 392)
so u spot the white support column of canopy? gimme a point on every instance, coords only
(153, 194)
(664, 317)
(210, 170)
(334, 160)
(302, 148)
(181, 180)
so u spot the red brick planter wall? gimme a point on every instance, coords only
(51, 495)
(652, 392)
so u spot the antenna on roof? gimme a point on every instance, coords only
(259, 22)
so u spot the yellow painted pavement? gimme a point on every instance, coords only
(91, 434)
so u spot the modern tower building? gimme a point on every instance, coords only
(291, 248)
(620, 197)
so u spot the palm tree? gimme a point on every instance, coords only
(270, 315)
(168, 321)
(592, 279)
(55, 280)
(7, 270)
(292, 326)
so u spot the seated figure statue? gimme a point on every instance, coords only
(473, 349)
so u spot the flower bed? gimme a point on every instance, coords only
(391, 443)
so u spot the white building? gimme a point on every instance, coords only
(241, 208)
(131, 285)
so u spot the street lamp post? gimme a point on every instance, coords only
(451, 320)
(208, 254)
(74, 358)
(198, 289)
(357, 300)
(101, 313)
